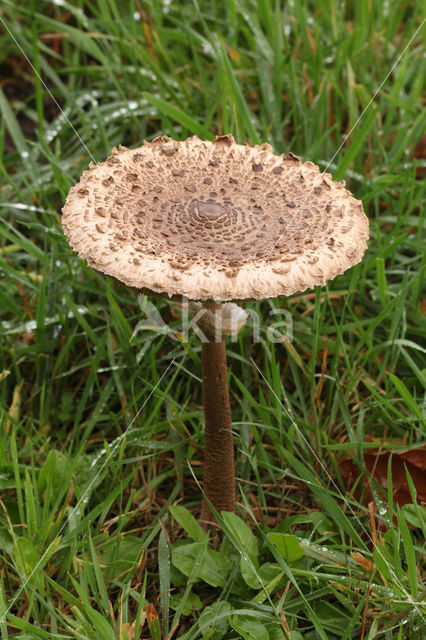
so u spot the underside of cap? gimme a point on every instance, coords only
(214, 220)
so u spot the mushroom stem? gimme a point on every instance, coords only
(219, 471)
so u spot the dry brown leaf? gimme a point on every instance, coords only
(376, 462)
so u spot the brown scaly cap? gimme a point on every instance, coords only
(214, 220)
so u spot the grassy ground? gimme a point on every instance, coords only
(91, 545)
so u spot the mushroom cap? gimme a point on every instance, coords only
(214, 220)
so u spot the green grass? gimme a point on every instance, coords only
(90, 544)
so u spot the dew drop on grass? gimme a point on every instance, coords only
(207, 49)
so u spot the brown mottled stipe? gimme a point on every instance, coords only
(219, 474)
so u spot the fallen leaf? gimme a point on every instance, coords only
(376, 462)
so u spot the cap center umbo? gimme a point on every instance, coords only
(213, 231)
(211, 210)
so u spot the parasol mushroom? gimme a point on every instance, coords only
(214, 221)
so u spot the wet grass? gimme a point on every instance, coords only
(90, 547)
